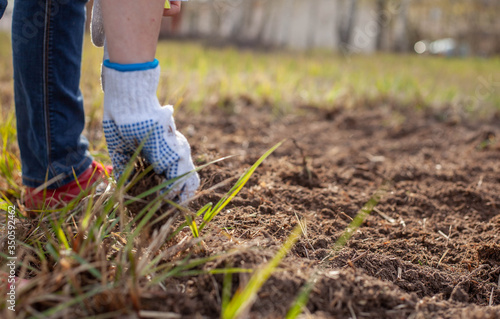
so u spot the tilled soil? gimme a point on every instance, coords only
(430, 248)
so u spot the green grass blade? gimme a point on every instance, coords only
(153, 209)
(92, 269)
(359, 219)
(88, 214)
(174, 270)
(227, 286)
(205, 209)
(145, 214)
(62, 236)
(137, 178)
(236, 188)
(192, 225)
(301, 300)
(52, 251)
(243, 299)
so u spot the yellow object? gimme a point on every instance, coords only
(167, 4)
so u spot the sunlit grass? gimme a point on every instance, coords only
(200, 75)
(102, 248)
(204, 75)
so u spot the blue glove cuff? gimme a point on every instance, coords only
(131, 67)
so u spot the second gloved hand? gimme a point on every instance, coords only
(133, 114)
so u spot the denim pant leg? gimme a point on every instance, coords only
(47, 40)
(3, 5)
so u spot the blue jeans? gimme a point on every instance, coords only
(47, 40)
(3, 5)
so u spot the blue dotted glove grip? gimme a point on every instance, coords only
(123, 141)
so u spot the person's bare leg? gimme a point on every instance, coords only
(132, 28)
(131, 111)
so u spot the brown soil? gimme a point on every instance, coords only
(430, 248)
(439, 256)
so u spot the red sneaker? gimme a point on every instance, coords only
(57, 198)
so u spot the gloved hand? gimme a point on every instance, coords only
(132, 114)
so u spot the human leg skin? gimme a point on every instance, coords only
(132, 28)
(47, 39)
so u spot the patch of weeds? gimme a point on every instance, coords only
(96, 248)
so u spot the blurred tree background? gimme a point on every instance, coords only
(343, 25)
(350, 26)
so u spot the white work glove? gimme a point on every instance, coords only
(132, 114)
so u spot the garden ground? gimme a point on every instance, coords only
(429, 249)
